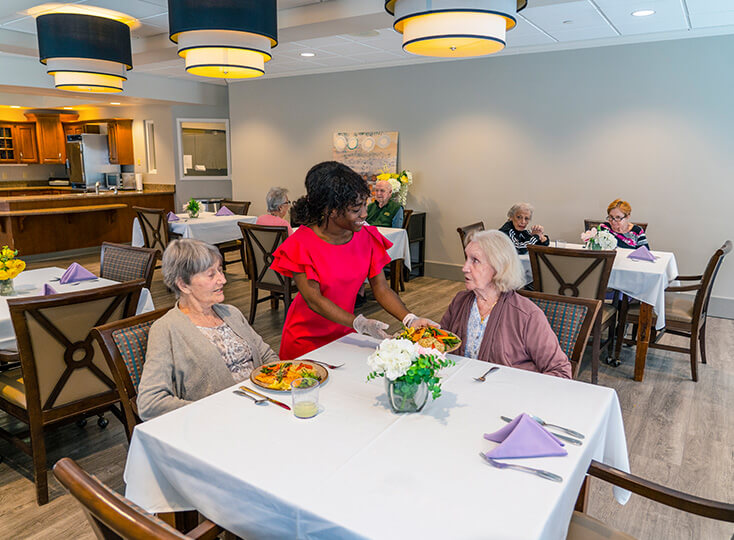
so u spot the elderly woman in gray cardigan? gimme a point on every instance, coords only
(200, 346)
(495, 323)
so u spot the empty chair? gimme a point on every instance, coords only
(124, 344)
(571, 319)
(237, 207)
(112, 516)
(466, 232)
(585, 527)
(120, 262)
(62, 376)
(580, 273)
(685, 315)
(154, 224)
(260, 242)
(240, 208)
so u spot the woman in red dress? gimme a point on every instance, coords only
(329, 257)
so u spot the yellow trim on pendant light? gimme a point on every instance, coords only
(454, 34)
(225, 62)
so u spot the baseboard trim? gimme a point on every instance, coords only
(719, 306)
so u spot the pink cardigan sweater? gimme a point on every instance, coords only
(517, 334)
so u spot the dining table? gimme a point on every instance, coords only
(207, 227)
(358, 470)
(31, 282)
(642, 280)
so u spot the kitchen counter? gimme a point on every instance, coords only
(70, 194)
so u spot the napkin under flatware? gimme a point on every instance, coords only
(172, 217)
(224, 211)
(642, 254)
(524, 438)
(76, 272)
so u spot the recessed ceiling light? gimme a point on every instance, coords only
(67, 108)
(114, 103)
(15, 106)
(308, 54)
(643, 13)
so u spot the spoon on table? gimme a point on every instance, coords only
(489, 371)
(330, 366)
(258, 401)
(564, 429)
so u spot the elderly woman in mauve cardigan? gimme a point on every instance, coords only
(200, 346)
(495, 323)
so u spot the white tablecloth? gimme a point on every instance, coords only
(30, 283)
(400, 247)
(642, 280)
(359, 471)
(207, 227)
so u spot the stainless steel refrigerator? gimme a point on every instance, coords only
(89, 160)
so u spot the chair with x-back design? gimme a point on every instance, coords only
(261, 241)
(581, 273)
(63, 375)
(154, 224)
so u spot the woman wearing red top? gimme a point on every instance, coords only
(329, 257)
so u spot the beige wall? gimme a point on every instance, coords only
(568, 131)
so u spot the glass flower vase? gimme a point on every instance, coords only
(6, 287)
(593, 245)
(192, 213)
(406, 397)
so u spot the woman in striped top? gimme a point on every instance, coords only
(519, 216)
(628, 235)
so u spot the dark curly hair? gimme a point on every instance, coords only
(329, 186)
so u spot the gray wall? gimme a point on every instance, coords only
(568, 131)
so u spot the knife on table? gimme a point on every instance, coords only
(271, 400)
(569, 440)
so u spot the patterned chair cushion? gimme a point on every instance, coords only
(124, 264)
(132, 342)
(565, 320)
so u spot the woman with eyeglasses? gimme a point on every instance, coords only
(278, 207)
(628, 235)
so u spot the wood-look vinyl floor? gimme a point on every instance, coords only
(679, 433)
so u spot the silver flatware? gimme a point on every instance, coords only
(489, 371)
(569, 440)
(564, 429)
(257, 401)
(330, 366)
(537, 472)
(271, 400)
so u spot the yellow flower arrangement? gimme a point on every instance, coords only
(399, 182)
(10, 267)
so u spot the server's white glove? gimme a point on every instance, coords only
(371, 327)
(414, 321)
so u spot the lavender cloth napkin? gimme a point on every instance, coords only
(524, 438)
(76, 272)
(172, 217)
(642, 254)
(224, 211)
(48, 289)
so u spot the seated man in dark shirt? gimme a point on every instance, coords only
(384, 212)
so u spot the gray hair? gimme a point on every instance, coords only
(502, 255)
(520, 207)
(276, 197)
(185, 258)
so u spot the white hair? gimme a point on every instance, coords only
(184, 258)
(520, 207)
(502, 256)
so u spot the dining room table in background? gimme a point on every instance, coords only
(645, 281)
(207, 227)
(358, 470)
(31, 282)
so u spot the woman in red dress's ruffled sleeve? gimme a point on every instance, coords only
(329, 257)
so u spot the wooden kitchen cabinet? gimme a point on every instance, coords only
(73, 129)
(8, 150)
(51, 140)
(120, 141)
(27, 143)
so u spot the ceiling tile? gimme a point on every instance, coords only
(347, 48)
(669, 16)
(570, 21)
(134, 8)
(708, 13)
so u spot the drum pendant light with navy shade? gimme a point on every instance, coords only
(84, 53)
(229, 39)
(454, 28)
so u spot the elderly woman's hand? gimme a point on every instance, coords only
(538, 229)
(413, 321)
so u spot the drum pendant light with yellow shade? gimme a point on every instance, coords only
(454, 28)
(84, 53)
(228, 39)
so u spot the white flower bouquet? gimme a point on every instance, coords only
(597, 238)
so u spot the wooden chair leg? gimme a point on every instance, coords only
(694, 354)
(253, 303)
(38, 446)
(582, 502)
(702, 342)
(595, 352)
(621, 327)
(273, 302)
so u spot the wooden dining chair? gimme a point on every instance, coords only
(120, 262)
(240, 208)
(589, 223)
(113, 517)
(580, 273)
(685, 315)
(571, 319)
(154, 224)
(124, 344)
(63, 376)
(585, 527)
(260, 242)
(466, 232)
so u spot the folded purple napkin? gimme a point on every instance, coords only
(76, 272)
(224, 211)
(524, 438)
(172, 217)
(48, 289)
(642, 254)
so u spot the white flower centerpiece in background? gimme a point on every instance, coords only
(597, 238)
(400, 182)
(409, 371)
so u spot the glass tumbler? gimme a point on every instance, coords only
(305, 394)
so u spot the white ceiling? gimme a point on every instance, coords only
(357, 34)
